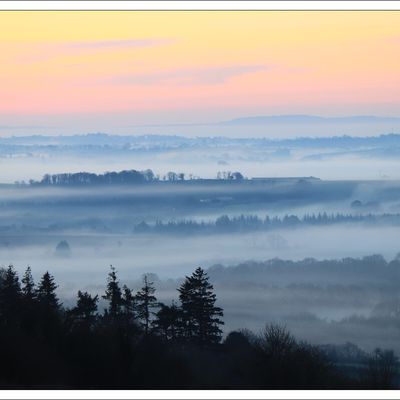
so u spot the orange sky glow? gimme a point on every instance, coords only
(160, 67)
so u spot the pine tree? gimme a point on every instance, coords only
(28, 288)
(10, 296)
(48, 308)
(145, 302)
(200, 315)
(113, 294)
(29, 303)
(46, 293)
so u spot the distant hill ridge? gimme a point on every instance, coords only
(276, 119)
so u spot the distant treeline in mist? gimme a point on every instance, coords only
(248, 223)
(223, 224)
(139, 343)
(122, 178)
(369, 269)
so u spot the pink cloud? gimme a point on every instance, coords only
(117, 44)
(45, 51)
(187, 76)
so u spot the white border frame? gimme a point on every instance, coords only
(217, 5)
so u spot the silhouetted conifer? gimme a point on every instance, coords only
(145, 302)
(10, 296)
(200, 315)
(28, 285)
(29, 302)
(49, 310)
(113, 294)
(46, 293)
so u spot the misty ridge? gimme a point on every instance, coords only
(181, 203)
(282, 126)
(334, 157)
(100, 143)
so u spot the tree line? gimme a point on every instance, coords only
(196, 319)
(136, 342)
(250, 223)
(121, 178)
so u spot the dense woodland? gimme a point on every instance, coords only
(138, 343)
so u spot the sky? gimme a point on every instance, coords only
(110, 71)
